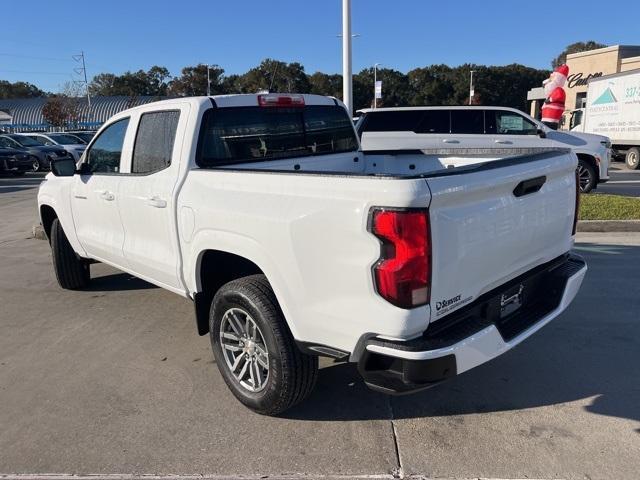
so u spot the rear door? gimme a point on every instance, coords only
(485, 231)
(94, 199)
(147, 196)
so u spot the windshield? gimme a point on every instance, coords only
(8, 142)
(85, 136)
(26, 141)
(64, 139)
(249, 134)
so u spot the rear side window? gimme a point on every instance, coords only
(418, 121)
(249, 134)
(467, 121)
(104, 154)
(154, 141)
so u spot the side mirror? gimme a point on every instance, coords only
(541, 133)
(63, 167)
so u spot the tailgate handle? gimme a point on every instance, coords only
(529, 186)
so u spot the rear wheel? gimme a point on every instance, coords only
(587, 176)
(72, 271)
(254, 349)
(633, 158)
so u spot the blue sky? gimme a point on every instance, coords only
(403, 34)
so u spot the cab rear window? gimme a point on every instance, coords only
(250, 134)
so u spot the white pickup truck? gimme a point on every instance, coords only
(293, 243)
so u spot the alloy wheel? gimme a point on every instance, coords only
(585, 177)
(244, 349)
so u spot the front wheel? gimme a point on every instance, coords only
(632, 158)
(72, 271)
(254, 349)
(587, 176)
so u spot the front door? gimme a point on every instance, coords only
(94, 198)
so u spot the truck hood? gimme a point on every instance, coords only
(576, 139)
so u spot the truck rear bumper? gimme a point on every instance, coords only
(475, 334)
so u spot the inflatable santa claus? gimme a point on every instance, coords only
(553, 107)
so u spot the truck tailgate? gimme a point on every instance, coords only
(492, 223)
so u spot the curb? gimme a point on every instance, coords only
(609, 226)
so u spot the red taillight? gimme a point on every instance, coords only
(577, 212)
(403, 273)
(275, 100)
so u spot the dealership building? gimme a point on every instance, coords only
(586, 65)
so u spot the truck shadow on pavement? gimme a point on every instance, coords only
(117, 282)
(588, 355)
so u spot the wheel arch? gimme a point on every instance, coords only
(215, 268)
(47, 216)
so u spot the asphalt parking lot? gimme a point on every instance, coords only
(115, 379)
(622, 182)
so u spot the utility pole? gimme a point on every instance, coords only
(375, 84)
(83, 71)
(471, 91)
(347, 81)
(208, 82)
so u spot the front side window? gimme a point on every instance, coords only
(509, 123)
(154, 141)
(248, 134)
(26, 141)
(105, 153)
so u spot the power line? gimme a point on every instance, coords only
(34, 57)
(34, 73)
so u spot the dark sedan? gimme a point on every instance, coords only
(43, 154)
(15, 161)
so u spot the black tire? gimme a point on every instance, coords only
(18, 174)
(632, 159)
(587, 176)
(72, 271)
(291, 374)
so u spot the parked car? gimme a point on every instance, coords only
(84, 135)
(43, 154)
(15, 161)
(293, 243)
(494, 128)
(71, 144)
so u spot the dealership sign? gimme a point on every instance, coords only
(579, 80)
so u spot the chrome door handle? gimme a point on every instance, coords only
(449, 140)
(504, 142)
(156, 202)
(107, 195)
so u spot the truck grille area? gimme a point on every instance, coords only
(538, 292)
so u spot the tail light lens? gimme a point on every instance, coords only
(275, 100)
(577, 211)
(403, 273)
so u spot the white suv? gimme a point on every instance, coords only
(490, 129)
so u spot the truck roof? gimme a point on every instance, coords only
(439, 107)
(236, 100)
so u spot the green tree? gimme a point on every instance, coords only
(575, 48)
(193, 81)
(19, 90)
(153, 82)
(325, 84)
(275, 76)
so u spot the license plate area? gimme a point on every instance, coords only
(511, 300)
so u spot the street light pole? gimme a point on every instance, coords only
(375, 82)
(347, 82)
(471, 92)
